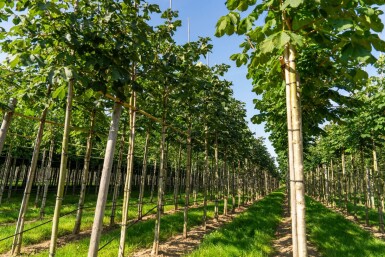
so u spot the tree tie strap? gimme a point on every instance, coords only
(293, 129)
(294, 82)
(299, 181)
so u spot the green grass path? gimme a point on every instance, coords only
(333, 235)
(249, 234)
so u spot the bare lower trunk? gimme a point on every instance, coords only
(143, 176)
(47, 179)
(62, 172)
(104, 182)
(188, 176)
(297, 154)
(177, 178)
(205, 178)
(128, 182)
(118, 177)
(17, 240)
(86, 169)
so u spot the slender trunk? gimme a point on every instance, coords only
(292, 192)
(105, 181)
(226, 183)
(177, 178)
(17, 240)
(205, 178)
(62, 172)
(297, 152)
(7, 169)
(40, 179)
(47, 178)
(155, 246)
(118, 175)
(144, 174)
(216, 180)
(379, 185)
(86, 169)
(128, 182)
(15, 170)
(153, 180)
(188, 175)
(7, 122)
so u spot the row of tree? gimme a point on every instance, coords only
(103, 57)
(313, 54)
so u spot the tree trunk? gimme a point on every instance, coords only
(118, 175)
(205, 178)
(17, 240)
(177, 178)
(7, 122)
(7, 168)
(153, 180)
(128, 182)
(144, 174)
(297, 149)
(379, 185)
(86, 169)
(292, 192)
(105, 181)
(62, 172)
(188, 176)
(47, 178)
(155, 246)
(216, 179)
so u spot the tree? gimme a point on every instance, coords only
(290, 25)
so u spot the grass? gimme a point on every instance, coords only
(141, 235)
(9, 213)
(250, 234)
(333, 235)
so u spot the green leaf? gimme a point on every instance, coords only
(221, 26)
(292, 3)
(232, 4)
(60, 92)
(13, 60)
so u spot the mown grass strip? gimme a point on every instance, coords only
(141, 235)
(333, 235)
(67, 222)
(249, 234)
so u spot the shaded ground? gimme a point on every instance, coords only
(177, 246)
(283, 242)
(371, 229)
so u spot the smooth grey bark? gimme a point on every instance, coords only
(62, 171)
(104, 181)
